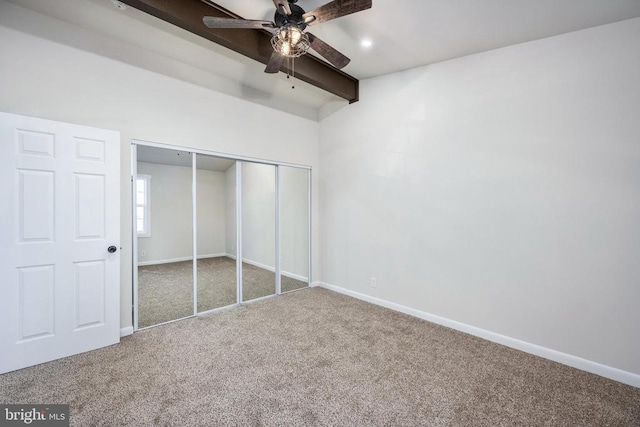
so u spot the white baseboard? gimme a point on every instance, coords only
(126, 331)
(547, 353)
(258, 264)
(186, 258)
(269, 268)
(294, 276)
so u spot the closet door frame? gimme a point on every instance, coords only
(134, 238)
(238, 159)
(194, 229)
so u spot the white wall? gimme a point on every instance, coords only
(501, 190)
(46, 79)
(172, 214)
(212, 214)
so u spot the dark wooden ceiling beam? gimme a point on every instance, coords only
(255, 44)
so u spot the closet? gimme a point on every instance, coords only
(213, 231)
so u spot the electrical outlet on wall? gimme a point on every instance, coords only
(373, 282)
(143, 253)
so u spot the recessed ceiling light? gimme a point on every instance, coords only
(366, 43)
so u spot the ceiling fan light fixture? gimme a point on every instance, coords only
(290, 41)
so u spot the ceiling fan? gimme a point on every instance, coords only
(290, 21)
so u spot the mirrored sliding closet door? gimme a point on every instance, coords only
(258, 230)
(294, 228)
(164, 227)
(212, 231)
(216, 236)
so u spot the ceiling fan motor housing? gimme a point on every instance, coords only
(295, 17)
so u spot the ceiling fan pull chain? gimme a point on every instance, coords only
(293, 73)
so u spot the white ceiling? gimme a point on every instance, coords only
(404, 34)
(409, 33)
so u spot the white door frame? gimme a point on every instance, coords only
(277, 231)
(239, 231)
(134, 235)
(194, 230)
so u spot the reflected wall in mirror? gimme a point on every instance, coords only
(216, 225)
(258, 230)
(164, 224)
(294, 228)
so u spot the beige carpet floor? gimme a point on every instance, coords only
(165, 291)
(318, 358)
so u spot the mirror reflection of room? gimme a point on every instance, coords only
(164, 218)
(165, 224)
(258, 230)
(294, 228)
(216, 224)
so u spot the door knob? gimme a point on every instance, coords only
(111, 249)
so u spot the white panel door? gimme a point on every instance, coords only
(59, 213)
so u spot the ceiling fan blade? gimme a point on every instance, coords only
(336, 59)
(283, 7)
(335, 9)
(275, 63)
(215, 22)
